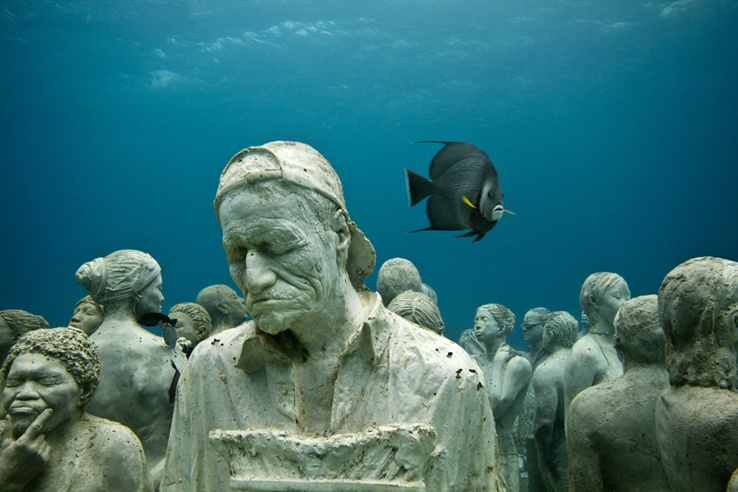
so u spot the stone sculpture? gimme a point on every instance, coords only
(226, 308)
(593, 358)
(395, 276)
(418, 308)
(611, 426)
(48, 441)
(193, 323)
(139, 371)
(14, 323)
(468, 341)
(507, 375)
(549, 428)
(322, 356)
(697, 415)
(533, 323)
(87, 316)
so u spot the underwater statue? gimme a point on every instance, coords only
(395, 276)
(549, 427)
(507, 375)
(139, 372)
(611, 426)
(14, 323)
(48, 441)
(87, 315)
(593, 357)
(532, 326)
(325, 386)
(418, 308)
(697, 415)
(193, 323)
(226, 308)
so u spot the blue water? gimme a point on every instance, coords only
(613, 126)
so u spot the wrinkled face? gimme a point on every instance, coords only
(279, 254)
(86, 317)
(611, 301)
(151, 298)
(532, 328)
(185, 327)
(486, 328)
(35, 383)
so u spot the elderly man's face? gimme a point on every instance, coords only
(34, 383)
(279, 254)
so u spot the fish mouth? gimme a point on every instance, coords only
(497, 213)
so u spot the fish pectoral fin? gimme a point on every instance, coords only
(509, 212)
(468, 202)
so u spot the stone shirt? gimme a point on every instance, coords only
(391, 372)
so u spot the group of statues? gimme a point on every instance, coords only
(330, 386)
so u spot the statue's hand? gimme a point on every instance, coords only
(23, 458)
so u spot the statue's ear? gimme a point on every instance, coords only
(592, 300)
(340, 227)
(223, 308)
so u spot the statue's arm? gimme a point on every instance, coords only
(515, 379)
(582, 449)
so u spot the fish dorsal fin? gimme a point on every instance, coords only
(450, 154)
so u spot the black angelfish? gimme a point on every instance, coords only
(464, 190)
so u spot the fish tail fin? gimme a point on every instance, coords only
(418, 187)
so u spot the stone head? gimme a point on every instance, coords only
(698, 309)
(288, 238)
(14, 323)
(223, 304)
(64, 356)
(127, 277)
(638, 333)
(560, 330)
(602, 295)
(395, 276)
(493, 321)
(193, 321)
(418, 308)
(533, 323)
(87, 315)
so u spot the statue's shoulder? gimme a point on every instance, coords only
(223, 344)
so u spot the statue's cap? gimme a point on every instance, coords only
(301, 165)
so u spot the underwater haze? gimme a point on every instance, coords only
(613, 126)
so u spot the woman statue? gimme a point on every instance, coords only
(48, 441)
(593, 358)
(139, 372)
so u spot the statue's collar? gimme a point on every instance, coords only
(260, 348)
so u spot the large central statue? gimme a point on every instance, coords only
(323, 362)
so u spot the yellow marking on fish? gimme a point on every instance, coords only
(509, 212)
(468, 202)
